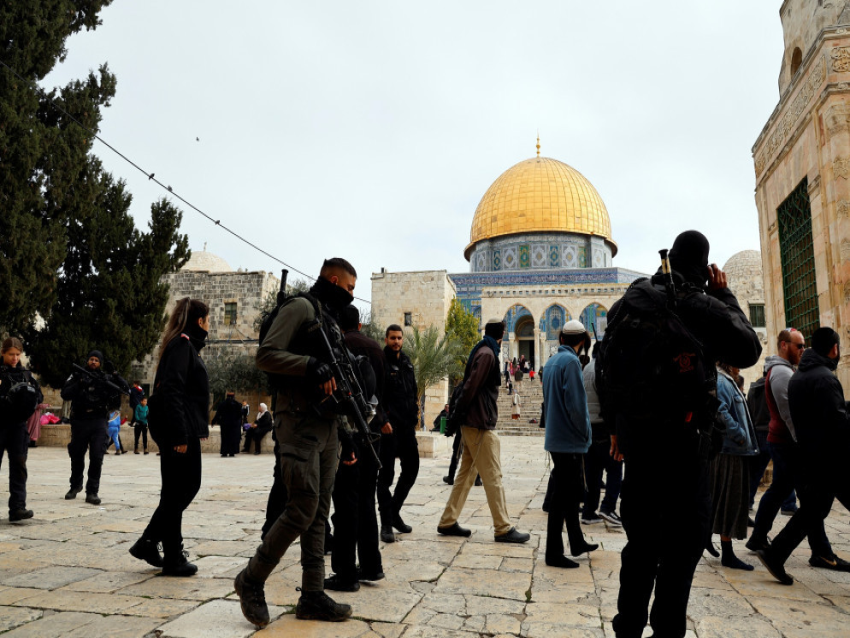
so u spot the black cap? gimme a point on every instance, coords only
(95, 353)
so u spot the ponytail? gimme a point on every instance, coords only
(185, 313)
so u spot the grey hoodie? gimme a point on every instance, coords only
(780, 374)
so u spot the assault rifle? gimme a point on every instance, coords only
(348, 391)
(104, 381)
(669, 284)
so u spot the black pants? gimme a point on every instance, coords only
(141, 430)
(567, 481)
(14, 440)
(91, 435)
(354, 518)
(401, 446)
(256, 435)
(456, 454)
(181, 480)
(816, 498)
(597, 460)
(654, 557)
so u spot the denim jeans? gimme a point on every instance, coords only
(597, 460)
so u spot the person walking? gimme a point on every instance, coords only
(20, 394)
(92, 395)
(140, 425)
(477, 412)
(729, 469)
(568, 437)
(177, 418)
(822, 426)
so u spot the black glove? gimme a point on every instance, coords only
(318, 371)
(348, 451)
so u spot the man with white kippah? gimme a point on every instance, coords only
(476, 409)
(568, 436)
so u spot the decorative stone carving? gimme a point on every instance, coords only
(787, 124)
(845, 250)
(840, 59)
(842, 207)
(837, 119)
(847, 293)
(841, 168)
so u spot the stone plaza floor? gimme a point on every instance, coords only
(67, 571)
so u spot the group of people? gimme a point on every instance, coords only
(592, 424)
(234, 422)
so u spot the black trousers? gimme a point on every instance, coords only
(181, 480)
(661, 491)
(401, 446)
(91, 435)
(456, 454)
(14, 440)
(354, 519)
(819, 492)
(567, 482)
(256, 435)
(141, 430)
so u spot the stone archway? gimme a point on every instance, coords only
(594, 316)
(519, 321)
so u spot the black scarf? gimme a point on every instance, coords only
(333, 297)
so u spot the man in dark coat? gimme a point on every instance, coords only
(228, 416)
(662, 454)
(398, 439)
(822, 423)
(354, 519)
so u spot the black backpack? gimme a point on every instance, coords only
(650, 366)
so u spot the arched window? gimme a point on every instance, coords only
(796, 61)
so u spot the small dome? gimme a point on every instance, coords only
(203, 261)
(744, 263)
(540, 195)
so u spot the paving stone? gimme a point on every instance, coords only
(14, 594)
(718, 627)
(485, 582)
(11, 617)
(116, 627)
(78, 601)
(161, 608)
(53, 625)
(216, 619)
(384, 604)
(105, 582)
(289, 625)
(50, 577)
(181, 588)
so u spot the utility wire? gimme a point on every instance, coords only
(151, 177)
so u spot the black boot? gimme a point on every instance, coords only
(317, 605)
(387, 534)
(146, 550)
(176, 563)
(72, 493)
(252, 597)
(400, 525)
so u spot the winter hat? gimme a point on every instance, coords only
(689, 256)
(495, 328)
(96, 353)
(573, 327)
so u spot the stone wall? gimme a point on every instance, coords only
(426, 295)
(746, 282)
(808, 136)
(802, 23)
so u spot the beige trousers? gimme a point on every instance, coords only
(481, 455)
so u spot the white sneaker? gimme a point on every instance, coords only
(612, 518)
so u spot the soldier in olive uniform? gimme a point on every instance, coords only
(307, 434)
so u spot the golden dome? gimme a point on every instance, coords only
(540, 195)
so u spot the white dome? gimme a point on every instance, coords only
(203, 261)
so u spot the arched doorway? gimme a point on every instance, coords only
(524, 335)
(595, 316)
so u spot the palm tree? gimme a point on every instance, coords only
(434, 356)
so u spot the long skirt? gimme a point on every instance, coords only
(730, 495)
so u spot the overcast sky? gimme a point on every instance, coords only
(371, 130)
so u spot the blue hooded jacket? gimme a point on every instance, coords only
(567, 418)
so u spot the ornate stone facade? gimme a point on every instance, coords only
(807, 140)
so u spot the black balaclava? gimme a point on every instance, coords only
(330, 294)
(689, 257)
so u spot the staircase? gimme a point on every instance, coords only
(531, 397)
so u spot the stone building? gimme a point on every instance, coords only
(802, 166)
(744, 274)
(234, 297)
(540, 252)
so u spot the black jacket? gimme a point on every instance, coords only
(360, 344)
(9, 377)
(819, 412)
(228, 413)
(90, 397)
(400, 391)
(264, 423)
(714, 318)
(179, 403)
(136, 396)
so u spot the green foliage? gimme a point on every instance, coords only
(372, 328)
(69, 251)
(238, 373)
(270, 302)
(434, 357)
(463, 327)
